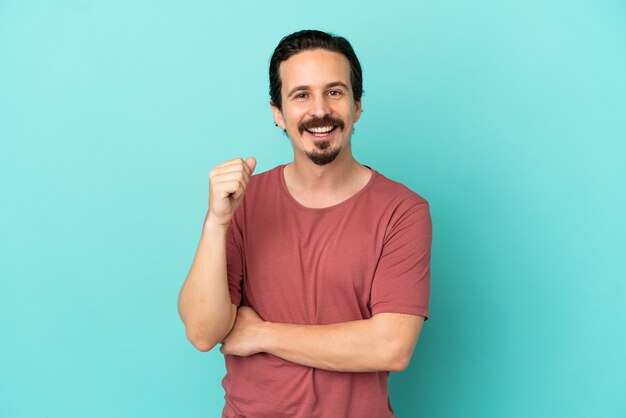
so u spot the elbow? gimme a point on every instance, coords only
(199, 338)
(397, 336)
(200, 342)
(204, 335)
(400, 355)
(399, 363)
(204, 338)
(203, 346)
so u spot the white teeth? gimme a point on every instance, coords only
(321, 130)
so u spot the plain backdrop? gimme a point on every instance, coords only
(509, 117)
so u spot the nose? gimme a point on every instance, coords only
(320, 106)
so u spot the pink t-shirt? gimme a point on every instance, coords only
(299, 265)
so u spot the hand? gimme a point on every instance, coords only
(245, 338)
(227, 185)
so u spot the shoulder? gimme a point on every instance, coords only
(392, 205)
(408, 212)
(395, 193)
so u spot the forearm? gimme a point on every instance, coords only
(204, 301)
(356, 346)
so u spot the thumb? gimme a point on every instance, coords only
(251, 163)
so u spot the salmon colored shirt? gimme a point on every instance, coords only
(299, 265)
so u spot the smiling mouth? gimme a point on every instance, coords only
(322, 131)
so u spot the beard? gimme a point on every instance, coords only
(323, 154)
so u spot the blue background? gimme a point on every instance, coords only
(509, 117)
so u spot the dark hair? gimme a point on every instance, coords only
(307, 40)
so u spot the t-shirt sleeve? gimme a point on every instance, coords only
(402, 279)
(234, 262)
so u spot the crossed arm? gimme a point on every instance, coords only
(384, 342)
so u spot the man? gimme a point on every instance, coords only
(315, 275)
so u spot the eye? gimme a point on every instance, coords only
(335, 93)
(301, 95)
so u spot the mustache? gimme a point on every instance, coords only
(326, 120)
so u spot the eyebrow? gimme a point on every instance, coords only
(333, 84)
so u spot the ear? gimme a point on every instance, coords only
(278, 116)
(357, 111)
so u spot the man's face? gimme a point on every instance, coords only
(318, 107)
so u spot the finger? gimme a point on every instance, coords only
(225, 188)
(251, 163)
(242, 166)
(235, 164)
(230, 176)
(237, 160)
(216, 176)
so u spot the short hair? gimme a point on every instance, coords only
(308, 40)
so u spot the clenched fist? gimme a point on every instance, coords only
(227, 185)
